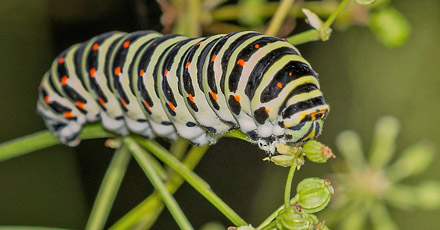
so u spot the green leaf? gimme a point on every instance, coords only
(389, 26)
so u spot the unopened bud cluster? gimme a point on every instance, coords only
(313, 150)
(313, 195)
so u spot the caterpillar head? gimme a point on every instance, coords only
(305, 124)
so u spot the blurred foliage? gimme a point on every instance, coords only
(362, 80)
(365, 187)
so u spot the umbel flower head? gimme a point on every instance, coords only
(370, 183)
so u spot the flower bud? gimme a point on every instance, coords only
(281, 160)
(293, 219)
(314, 194)
(286, 149)
(317, 152)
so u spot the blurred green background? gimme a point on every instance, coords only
(361, 79)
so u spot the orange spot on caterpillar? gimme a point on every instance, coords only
(101, 101)
(68, 115)
(147, 105)
(237, 97)
(198, 43)
(213, 57)
(64, 80)
(171, 106)
(155, 44)
(240, 62)
(257, 46)
(80, 105)
(141, 73)
(187, 64)
(92, 72)
(126, 44)
(95, 47)
(290, 73)
(191, 98)
(117, 70)
(166, 72)
(123, 102)
(213, 95)
(46, 99)
(279, 85)
(61, 60)
(267, 110)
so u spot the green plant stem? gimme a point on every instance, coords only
(335, 13)
(279, 16)
(289, 185)
(304, 37)
(236, 133)
(274, 214)
(29, 228)
(109, 188)
(147, 209)
(44, 139)
(178, 148)
(193, 17)
(315, 35)
(193, 179)
(271, 225)
(232, 12)
(141, 157)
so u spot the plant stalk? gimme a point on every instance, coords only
(141, 157)
(193, 179)
(109, 189)
(147, 209)
(278, 18)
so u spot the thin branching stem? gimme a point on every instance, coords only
(278, 18)
(44, 139)
(109, 188)
(274, 214)
(193, 179)
(314, 34)
(141, 157)
(151, 207)
(288, 188)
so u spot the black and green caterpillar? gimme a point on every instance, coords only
(197, 88)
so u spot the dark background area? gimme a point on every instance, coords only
(361, 79)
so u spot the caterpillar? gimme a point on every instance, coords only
(196, 88)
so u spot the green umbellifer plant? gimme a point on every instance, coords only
(188, 18)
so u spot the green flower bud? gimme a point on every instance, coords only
(314, 194)
(281, 160)
(293, 219)
(317, 152)
(286, 149)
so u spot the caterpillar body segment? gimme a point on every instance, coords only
(196, 88)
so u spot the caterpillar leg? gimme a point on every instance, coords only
(116, 125)
(205, 139)
(141, 127)
(164, 130)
